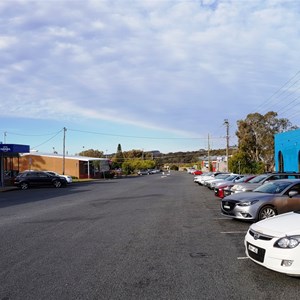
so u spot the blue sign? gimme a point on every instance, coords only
(14, 148)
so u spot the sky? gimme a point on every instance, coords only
(146, 74)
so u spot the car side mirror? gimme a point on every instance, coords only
(292, 193)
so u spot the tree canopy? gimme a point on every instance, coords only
(256, 142)
(92, 153)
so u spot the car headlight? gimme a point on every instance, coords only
(247, 203)
(288, 242)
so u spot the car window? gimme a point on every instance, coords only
(222, 176)
(273, 187)
(231, 177)
(30, 174)
(293, 176)
(42, 174)
(258, 178)
(240, 180)
(275, 177)
(296, 187)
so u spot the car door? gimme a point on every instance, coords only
(288, 203)
(44, 178)
(32, 178)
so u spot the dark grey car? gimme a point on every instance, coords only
(34, 178)
(268, 200)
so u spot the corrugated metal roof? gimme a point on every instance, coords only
(75, 157)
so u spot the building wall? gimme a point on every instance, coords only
(287, 144)
(74, 167)
(44, 163)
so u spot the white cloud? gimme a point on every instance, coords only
(7, 41)
(149, 62)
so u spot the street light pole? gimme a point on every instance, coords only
(64, 150)
(226, 123)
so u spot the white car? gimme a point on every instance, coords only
(207, 176)
(67, 177)
(275, 243)
(229, 178)
(215, 178)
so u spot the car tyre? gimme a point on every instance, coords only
(266, 212)
(57, 183)
(24, 185)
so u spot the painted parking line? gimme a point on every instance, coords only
(233, 232)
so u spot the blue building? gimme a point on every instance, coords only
(287, 151)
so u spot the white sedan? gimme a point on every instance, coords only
(275, 243)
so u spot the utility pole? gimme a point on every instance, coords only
(64, 150)
(226, 123)
(208, 154)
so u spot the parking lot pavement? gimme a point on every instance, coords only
(7, 188)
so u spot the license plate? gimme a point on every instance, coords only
(253, 249)
(227, 206)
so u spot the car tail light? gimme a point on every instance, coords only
(221, 193)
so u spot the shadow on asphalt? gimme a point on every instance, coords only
(33, 194)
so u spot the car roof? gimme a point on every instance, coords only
(291, 180)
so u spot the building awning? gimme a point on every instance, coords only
(10, 150)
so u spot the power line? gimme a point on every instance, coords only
(278, 92)
(26, 134)
(143, 137)
(49, 139)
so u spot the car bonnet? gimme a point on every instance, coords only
(281, 225)
(247, 196)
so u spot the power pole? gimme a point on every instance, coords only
(226, 123)
(64, 150)
(208, 154)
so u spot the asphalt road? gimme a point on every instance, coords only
(149, 237)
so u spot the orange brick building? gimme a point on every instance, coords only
(75, 166)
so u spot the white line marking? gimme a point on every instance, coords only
(233, 232)
(241, 258)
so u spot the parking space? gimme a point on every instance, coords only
(148, 237)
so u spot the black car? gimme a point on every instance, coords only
(34, 178)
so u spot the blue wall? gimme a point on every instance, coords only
(288, 143)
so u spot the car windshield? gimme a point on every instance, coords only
(231, 177)
(273, 187)
(221, 176)
(258, 178)
(243, 179)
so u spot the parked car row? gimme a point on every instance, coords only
(272, 203)
(269, 199)
(259, 180)
(194, 171)
(148, 171)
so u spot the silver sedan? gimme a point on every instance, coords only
(268, 200)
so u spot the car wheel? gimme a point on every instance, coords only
(24, 186)
(267, 212)
(57, 183)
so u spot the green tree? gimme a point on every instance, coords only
(256, 139)
(241, 163)
(92, 153)
(131, 166)
(118, 158)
